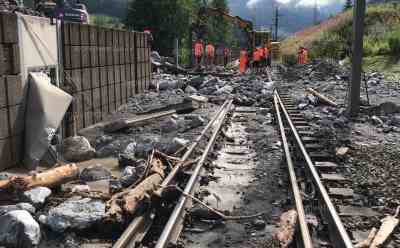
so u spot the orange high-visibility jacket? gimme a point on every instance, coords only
(243, 61)
(210, 50)
(198, 49)
(256, 55)
(300, 58)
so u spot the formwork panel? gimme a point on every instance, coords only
(4, 130)
(95, 77)
(86, 79)
(14, 89)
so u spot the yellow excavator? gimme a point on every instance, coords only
(254, 38)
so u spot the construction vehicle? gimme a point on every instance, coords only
(67, 10)
(254, 38)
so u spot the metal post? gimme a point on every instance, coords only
(276, 23)
(358, 33)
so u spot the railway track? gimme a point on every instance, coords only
(319, 188)
(134, 235)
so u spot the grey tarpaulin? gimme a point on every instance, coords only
(45, 109)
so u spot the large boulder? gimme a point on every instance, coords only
(75, 214)
(20, 206)
(77, 149)
(95, 173)
(19, 229)
(169, 125)
(37, 196)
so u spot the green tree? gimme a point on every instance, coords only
(167, 19)
(348, 5)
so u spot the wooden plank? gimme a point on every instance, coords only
(10, 27)
(66, 37)
(341, 192)
(102, 56)
(110, 56)
(132, 47)
(95, 77)
(117, 74)
(77, 79)
(88, 118)
(76, 62)
(93, 36)
(85, 38)
(101, 37)
(85, 55)
(86, 79)
(118, 98)
(357, 211)
(94, 56)
(14, 90)
(96, 98)
(104, 98)
(122, 70)
(333, 177)
(103, 76)
(97, 116)
(110, 75)
(67, 57)
(4, 129)
(74, 34)
(111, 97)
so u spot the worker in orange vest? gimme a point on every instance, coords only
(243, 61)
(256, 60)
(198, 52)
(210, 54)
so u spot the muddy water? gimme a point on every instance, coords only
(248, 181)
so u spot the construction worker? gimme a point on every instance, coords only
(243, 61)
(198, 52)
(210, 54)
(226, 55)
(256, 60)
(150, 38)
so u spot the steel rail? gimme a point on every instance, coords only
(305, 233)
(139, 222)
(190, 150)
(177, 214)
(338, 233)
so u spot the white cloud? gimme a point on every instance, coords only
(252, 3)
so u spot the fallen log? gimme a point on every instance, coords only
(50, 178)
(321, 97)
(287, 227)
(146, 188)
(366, 243)
(389, 223)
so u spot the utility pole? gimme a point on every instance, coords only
(315, 12)
(358, 34)
(276, 22)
